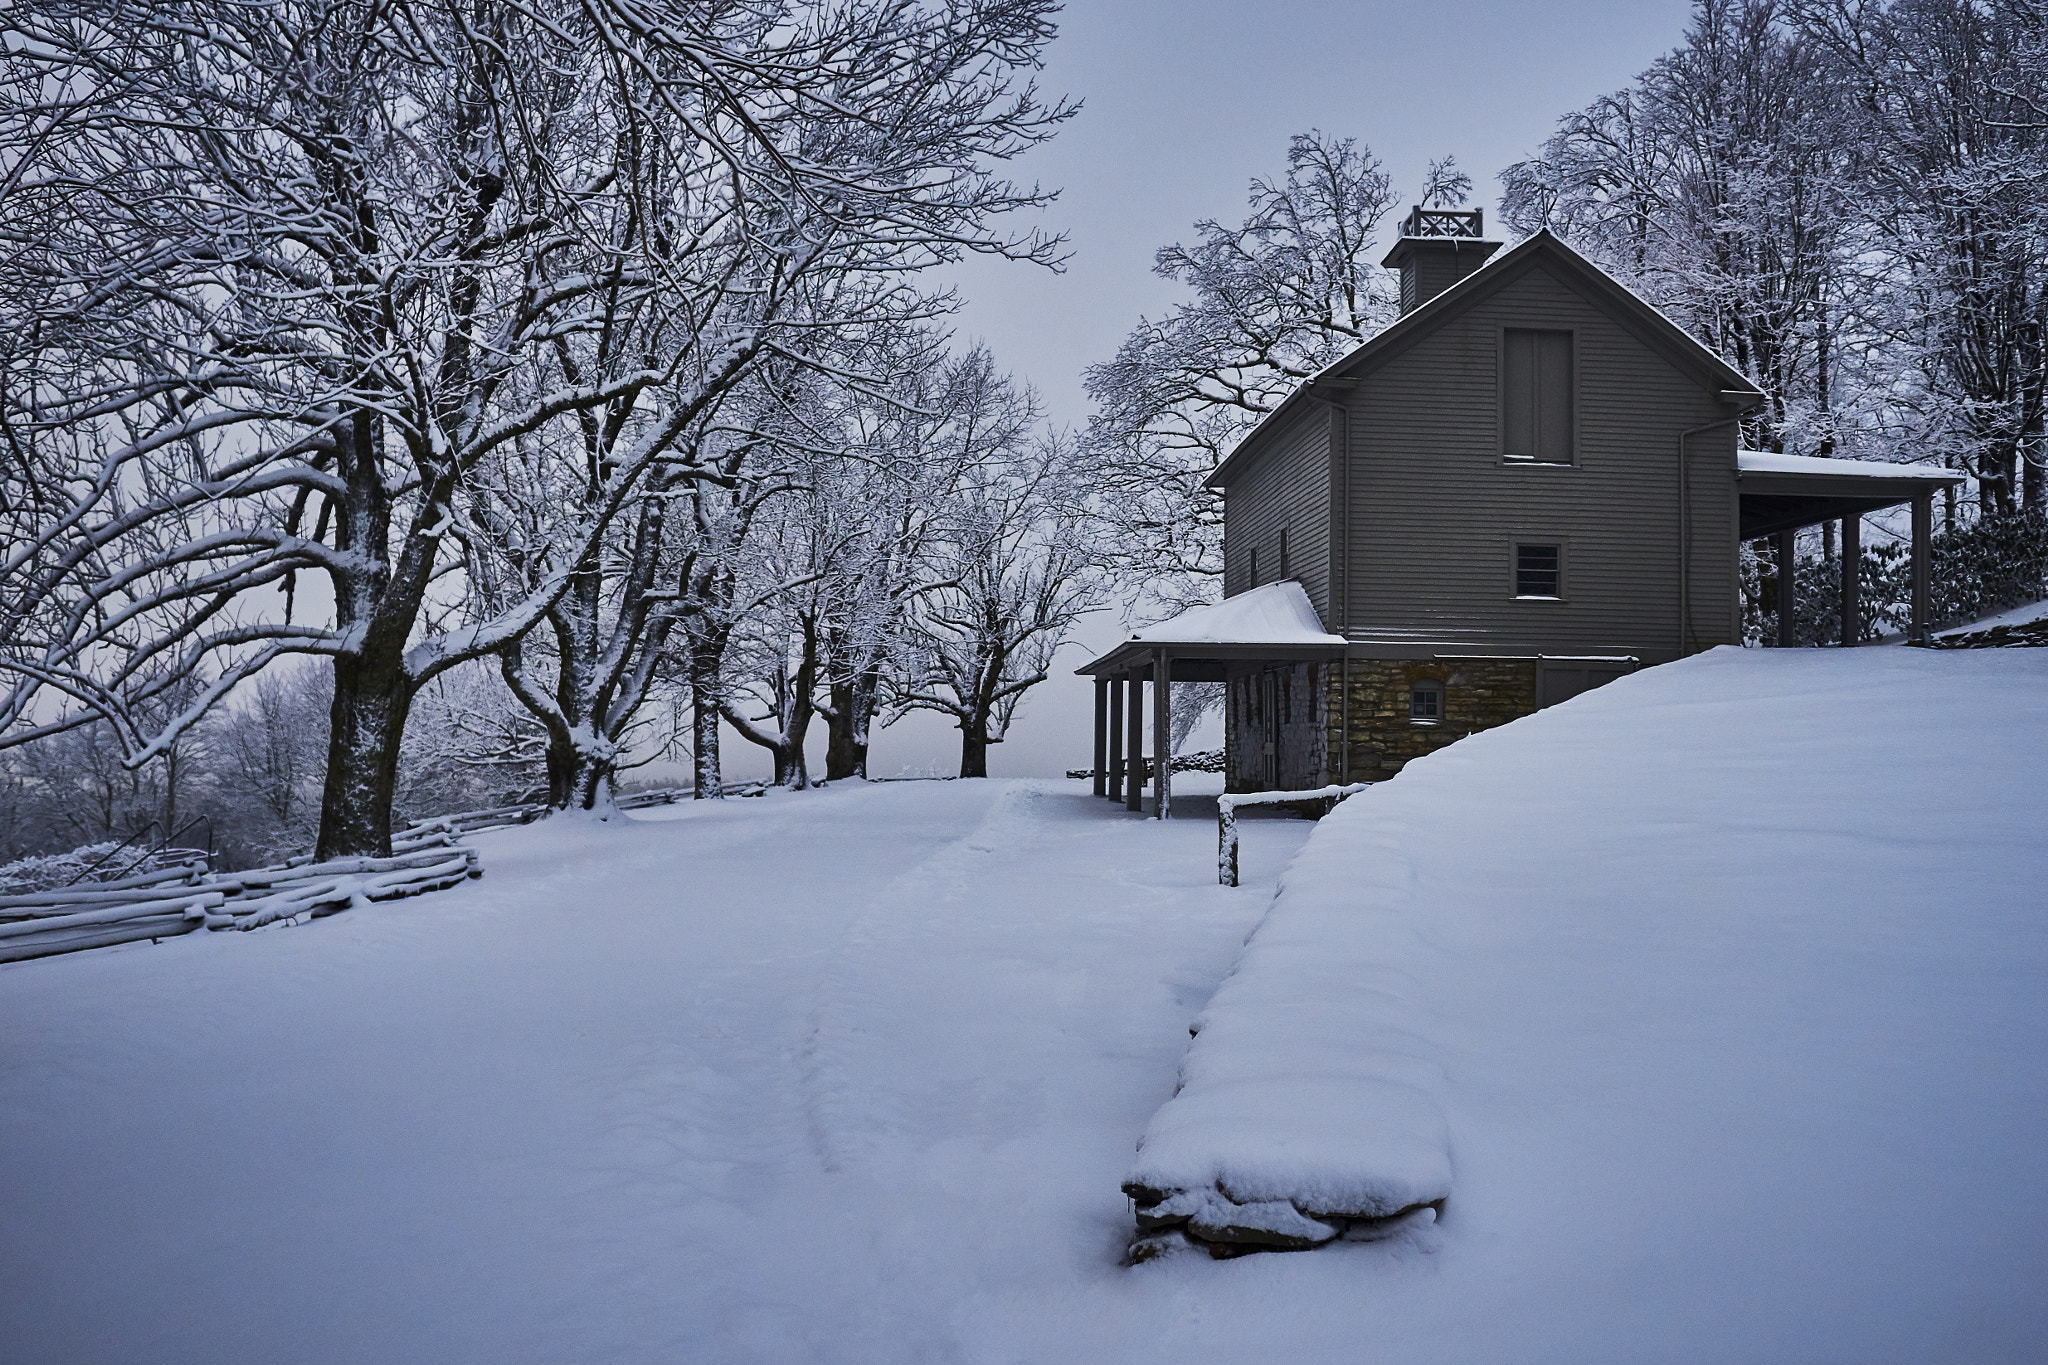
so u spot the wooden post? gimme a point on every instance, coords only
(1852, 586)
(1226, 842)
(1101, 735)
(1116, 739)
(1162, 734)
(1788, 551)
(1923, 552)
(1134, 724)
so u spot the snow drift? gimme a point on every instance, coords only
(1312, 1101)
(1308, 1107)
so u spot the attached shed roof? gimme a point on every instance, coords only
(1786, 492)
(1276, 621)
(1649, 324)
(1770, 462)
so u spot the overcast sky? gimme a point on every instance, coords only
(1183, 104)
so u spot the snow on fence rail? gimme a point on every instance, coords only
(1226, 819)
(184, 896)
(181, 899)
(1206, 761)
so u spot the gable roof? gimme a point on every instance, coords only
(1648, 324)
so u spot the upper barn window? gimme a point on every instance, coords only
(1536, 396)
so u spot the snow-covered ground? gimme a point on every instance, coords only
(1737, 972)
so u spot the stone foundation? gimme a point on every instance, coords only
(1478, 695)
(1300, 710)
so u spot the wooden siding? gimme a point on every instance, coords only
(1435, 510)
(1287, 487)
(1276, 726)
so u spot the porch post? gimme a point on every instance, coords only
(1115, 721)
(1788, 548)
(1162, 734)
(1134, 722)
(1852, 563)
(1101, 735)
(1923, 549)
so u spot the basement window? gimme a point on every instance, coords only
(1539, 571)
(1426, 701)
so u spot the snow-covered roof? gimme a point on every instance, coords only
(1770, 462)
(1276, 614)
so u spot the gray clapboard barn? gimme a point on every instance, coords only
(1526, 487)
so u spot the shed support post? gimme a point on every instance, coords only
(1162, 734)
(1115, 721)
(1923, 550)
(1134, 766)
(1852, 565)
(1101, 735)
(1788, 572)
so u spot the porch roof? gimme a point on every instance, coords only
(1786, 492)
(1275, 621)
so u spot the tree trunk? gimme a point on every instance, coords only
(366, 725)
(579, 778)
(974, 747)
(846, 725)
(707, 780)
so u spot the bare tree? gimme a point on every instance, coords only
(1947, 101)
(282, 280)
(1018, 568)
(1722, 185)
(1276, 299)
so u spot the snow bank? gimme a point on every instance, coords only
(1313, 1099)
(1276, 614)
(1308, 1106)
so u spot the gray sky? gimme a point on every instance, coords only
(1183, 104)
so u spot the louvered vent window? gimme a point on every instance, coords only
(1536, 396)
(1538, 571)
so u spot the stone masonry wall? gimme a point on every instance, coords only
(1478, 695)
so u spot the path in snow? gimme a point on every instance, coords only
(1737, 968)
(771, 1080)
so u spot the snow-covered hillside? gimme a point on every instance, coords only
(1734, 974)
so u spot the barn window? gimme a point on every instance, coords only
(1536, 396)
(1283, 552)
(1539, 571)
(1426, 701)
(1253, 569)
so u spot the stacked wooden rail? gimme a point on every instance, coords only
(445, 829)
(178, 900)
(181, 897)
(1206, 761)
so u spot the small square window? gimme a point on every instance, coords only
(1426, 702)
(1538, 571)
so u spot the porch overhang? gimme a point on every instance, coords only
(1198, 660)
(1275, 623)
(1777, 495)
(1789, 492)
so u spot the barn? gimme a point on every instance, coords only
(1528, 486)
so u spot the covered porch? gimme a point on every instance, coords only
(1781, 495)
(1270, 625)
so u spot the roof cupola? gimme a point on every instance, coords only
(1438, 247)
